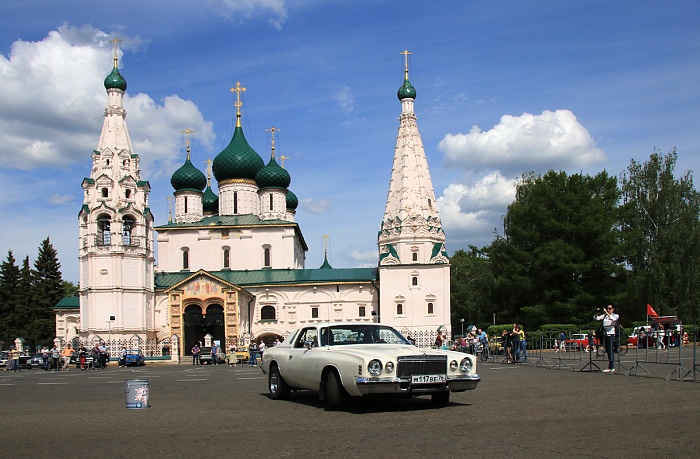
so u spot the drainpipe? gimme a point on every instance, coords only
(379, 297)
(250, 319)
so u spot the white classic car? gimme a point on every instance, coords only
(354, 359)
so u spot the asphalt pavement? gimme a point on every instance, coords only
(197, 411)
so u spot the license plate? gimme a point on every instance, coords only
(427, 379)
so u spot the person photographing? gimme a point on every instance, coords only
(610, 320)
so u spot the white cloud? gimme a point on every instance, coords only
(315, 206)
(60, 198)
(345, 100)
(276, 9)
(366, 258)
(553, 140)
(52, 100)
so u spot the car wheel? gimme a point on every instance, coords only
(335, 393)
(440, 398)
(279, 390)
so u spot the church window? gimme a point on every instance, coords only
(414, 280)
(267, 313)
(127, 193)
(399, 309)
(431, 309)
(185, 204)
(128, 225)
(235, 202)
(104, 234)
(271, 208)
(105, 192)
(430, 202)
(107, 162)
(125, 163)
(266, 256)
(415, 256)
(227, 260)
(185, 258)
(361, 311)
(314, 312)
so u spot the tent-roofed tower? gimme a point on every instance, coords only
(116, 231)
(414, 268)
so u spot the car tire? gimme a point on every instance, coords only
(440, 398)
(279, 390)
(336, 396)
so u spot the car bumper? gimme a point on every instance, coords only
(367, 386)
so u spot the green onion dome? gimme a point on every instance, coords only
(210, 202)
(406, 91)
(292, 200)
(238, 160)
(115, 80)
(188, 177)
(273, 176)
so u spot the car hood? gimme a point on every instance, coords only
(371, 351)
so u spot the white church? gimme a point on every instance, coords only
(231, 266)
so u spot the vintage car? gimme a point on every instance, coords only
(205, 358)
(579, 342)
(134, 357)
(341, 360)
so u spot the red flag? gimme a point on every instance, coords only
(651, 312)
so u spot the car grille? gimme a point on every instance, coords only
(421, 365)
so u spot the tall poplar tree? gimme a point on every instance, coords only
(661, 234)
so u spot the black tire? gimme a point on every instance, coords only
(600, 351)
(623, 349)
(279, 390)
(440, 398)
(336, 397)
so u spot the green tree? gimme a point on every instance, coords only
(9, 294)
(472, 285)
(661, 234)
(47, 291)
(559, 256)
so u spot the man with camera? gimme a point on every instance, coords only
(610, 320)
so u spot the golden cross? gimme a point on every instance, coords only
(406, 54)
(272, 130)
(115, 40)
(282, 160)
(326, 239)
(238, 90)
(187, 133)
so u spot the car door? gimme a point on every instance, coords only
(301, 359)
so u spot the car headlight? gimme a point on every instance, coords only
(453, 365)
(375, 367)
(466, 364)
(389, 367)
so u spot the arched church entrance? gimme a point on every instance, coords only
(198, 325)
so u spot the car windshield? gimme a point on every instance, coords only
(360, 334)
(132, 352)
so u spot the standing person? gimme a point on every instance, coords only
(82, 355)
(95, 353)
(214, 354)
(55, 357)
(122, 357)
(252, 353)
(261, 349)
(610, 320)
(45, 355)
(195, 354)
(103, 354)
(484, 340)
(14, 355)
(65, 357)
(518, 330)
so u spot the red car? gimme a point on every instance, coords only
(578, 342)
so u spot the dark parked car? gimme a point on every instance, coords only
(36, 361)
(206, 358)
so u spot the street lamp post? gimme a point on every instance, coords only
(109, 339)
(462, 322)
(494, 318)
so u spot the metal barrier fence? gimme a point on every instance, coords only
(576, 352)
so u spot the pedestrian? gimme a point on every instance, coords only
(214, 354)
(104, 355)
(484, 340)
(660, 337)
(55, 358)
(261, 349)
(65, 357)
(82, 355)
(122, 357)
(95, 353)
(610, 321)
(196, 351)
(45, 355)
(518, 330)
(589, 346)
(252, 353)
(14, 356)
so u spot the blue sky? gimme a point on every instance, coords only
(502, 88)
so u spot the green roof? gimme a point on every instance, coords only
(261, 277)
(68, 302)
